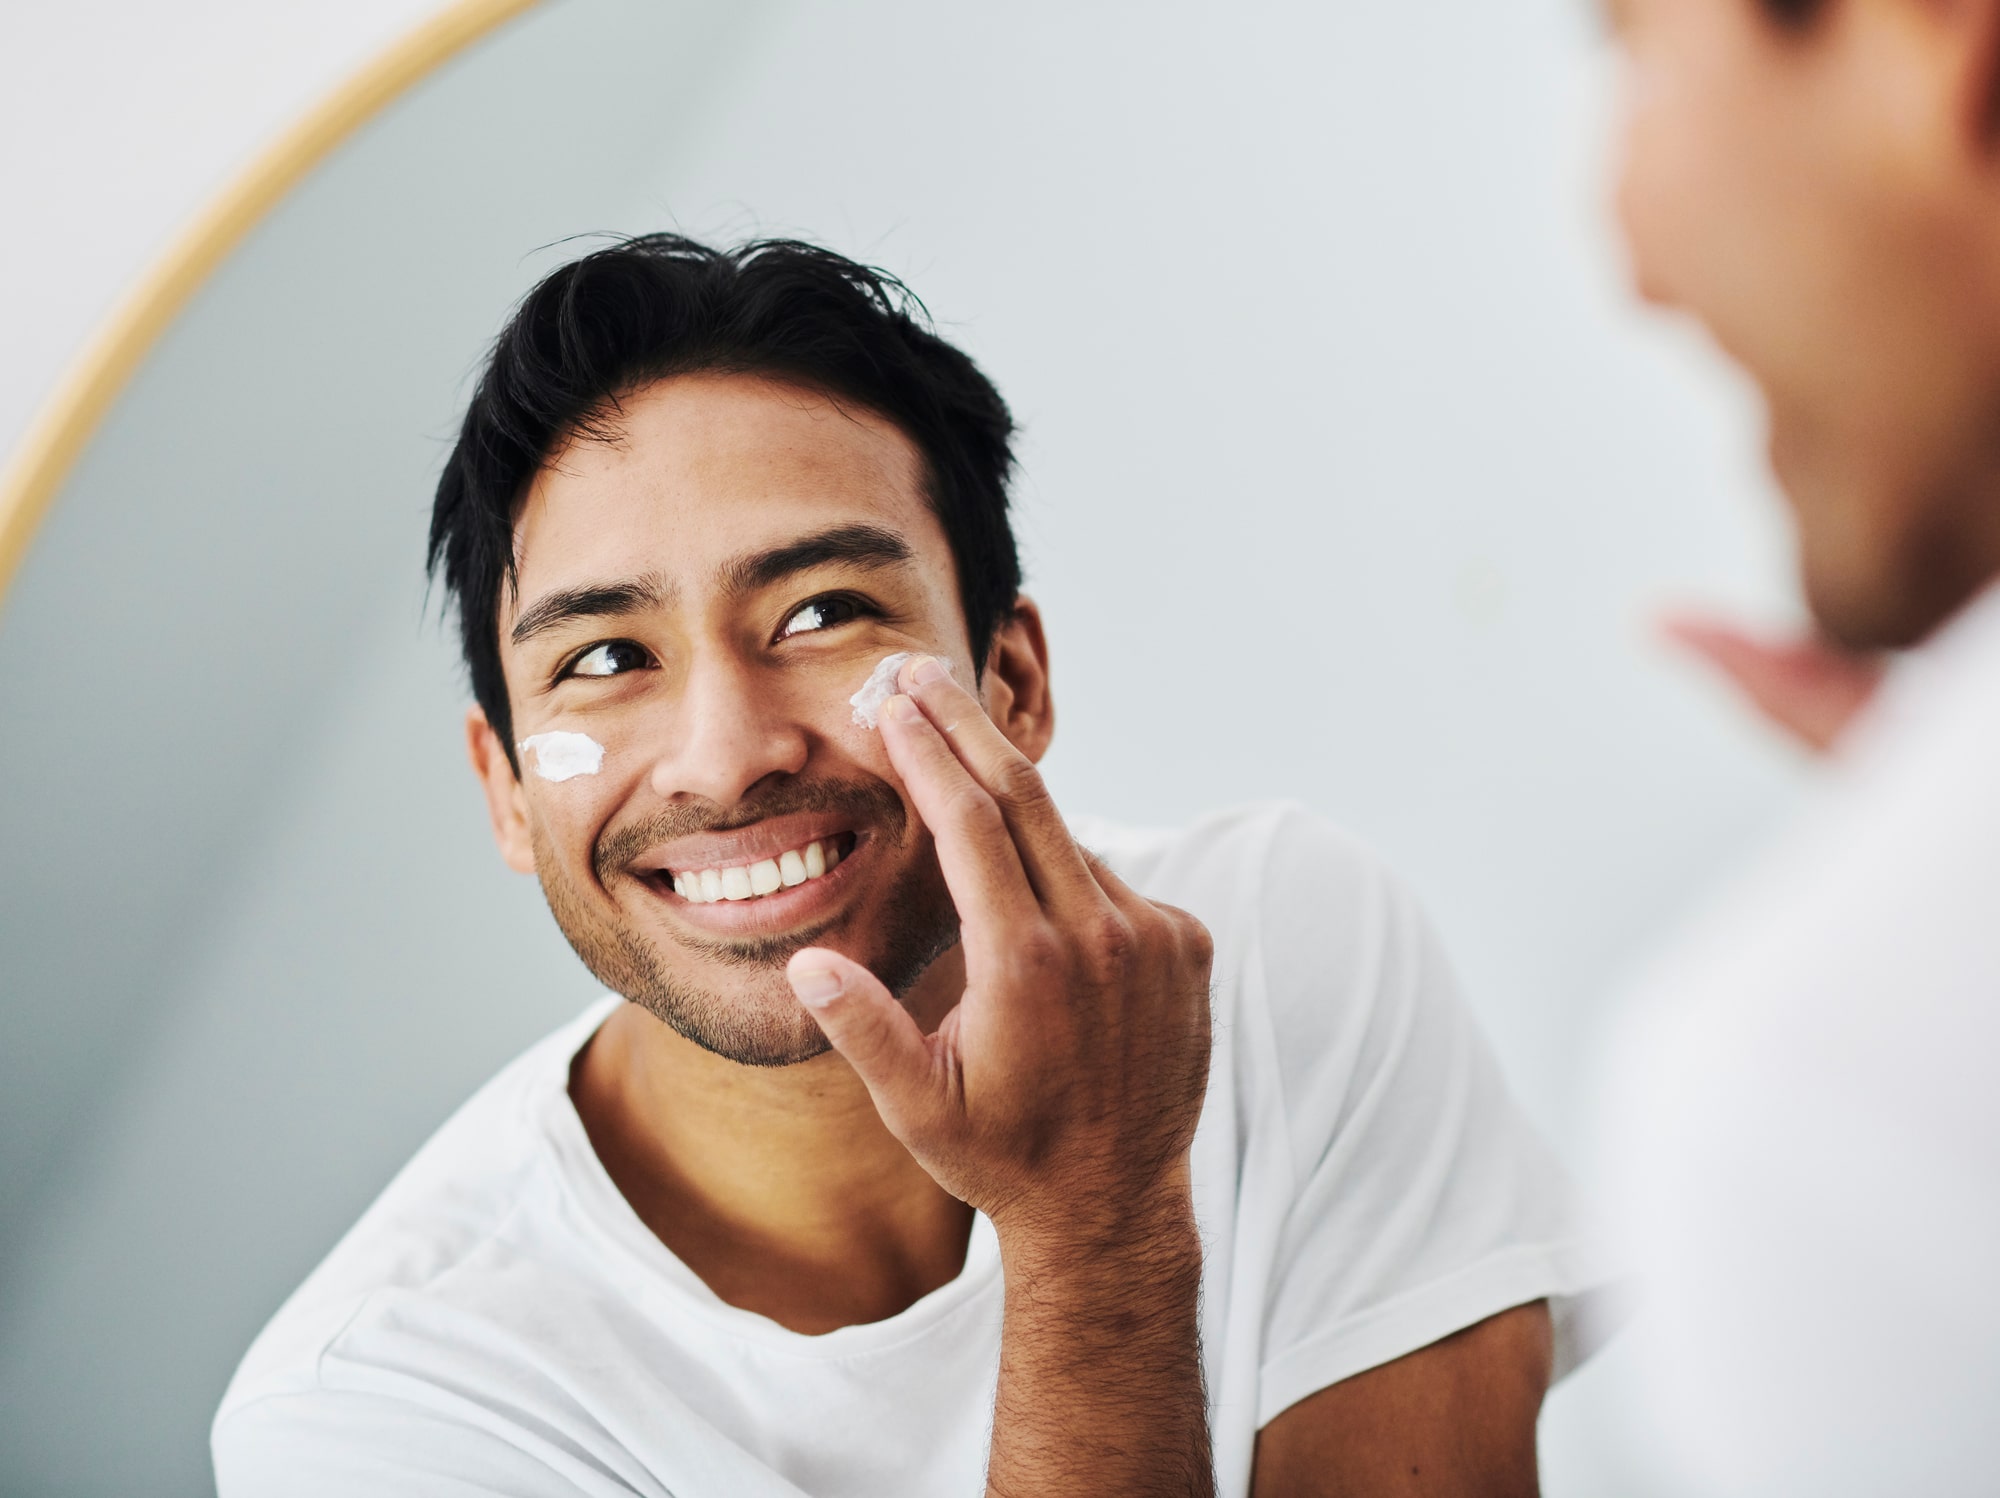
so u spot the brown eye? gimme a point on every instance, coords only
(821, 613)
(612, 658)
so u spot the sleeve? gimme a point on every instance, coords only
(334, 1443)
(1422, 1199)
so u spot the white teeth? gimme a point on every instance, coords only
(747, 881)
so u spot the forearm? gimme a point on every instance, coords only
(1100, 1365)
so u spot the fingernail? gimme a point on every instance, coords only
(901, 709)
(927, 669)
(816, 986)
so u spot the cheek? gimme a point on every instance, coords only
(858, 751)
(566, 818)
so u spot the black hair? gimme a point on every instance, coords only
(1793, 12)
(660, 305)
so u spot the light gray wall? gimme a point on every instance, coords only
(1348, 477)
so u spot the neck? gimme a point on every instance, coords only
(778, 1186)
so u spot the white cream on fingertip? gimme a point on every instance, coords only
(880, 687)
(563, 756)
(877, 689)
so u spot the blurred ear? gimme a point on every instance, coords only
(1016, 686)
(506, 803)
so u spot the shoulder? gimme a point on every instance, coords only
(1228, 863)
(335, 1442)
(1308, 922)
(1360, 1154)
(458, 1191)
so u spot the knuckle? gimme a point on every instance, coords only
(1200, 941)
(1035, 963)
(1018, 783)
(1110, 940)
(972, 808)
(1191, 938)
(1036, 951)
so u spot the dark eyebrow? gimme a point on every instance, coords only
(592, 601)
(858, 545)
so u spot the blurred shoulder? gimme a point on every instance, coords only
(455, 1195)
(1313, 933)
(1274, 868)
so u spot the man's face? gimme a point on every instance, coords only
(701, 597)
(1816, 195)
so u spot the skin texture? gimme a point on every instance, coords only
(1456, 1417)
(1825, 198)
(832, 1182)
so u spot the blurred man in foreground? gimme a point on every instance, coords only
(1805, 1137)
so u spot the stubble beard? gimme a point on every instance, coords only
(761, 1023)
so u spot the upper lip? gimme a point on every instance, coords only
(743, 845)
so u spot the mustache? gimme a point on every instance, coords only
(863, 801)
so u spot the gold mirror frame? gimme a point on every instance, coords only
(95, 379)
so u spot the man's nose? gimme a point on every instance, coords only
(732, 729)
(1633, 206)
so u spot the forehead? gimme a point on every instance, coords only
(705, 468)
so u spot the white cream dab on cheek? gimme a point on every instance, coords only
(563, 756)
(879, 688)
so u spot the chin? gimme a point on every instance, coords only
(750, 1015)
(1896, 525)
(734, 1006)
(1888, 603)
(761, 1033)
(1842, 570)
(1880, 570)
(1859, 598)
(1849, 613)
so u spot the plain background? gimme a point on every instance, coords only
(1349, 476)
(119, 121)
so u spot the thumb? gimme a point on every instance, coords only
(862, 1020)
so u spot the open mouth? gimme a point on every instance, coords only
(765, 876)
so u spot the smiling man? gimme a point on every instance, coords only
(917, 1150)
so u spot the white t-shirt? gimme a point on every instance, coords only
(501, 1322)
(1801, 1128)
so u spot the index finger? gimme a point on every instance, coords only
(1054, 864)
(976, 852)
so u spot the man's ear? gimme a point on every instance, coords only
(506, 803)
(1016, 686)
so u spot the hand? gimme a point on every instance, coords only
(1810, 689)
(1060, 1096)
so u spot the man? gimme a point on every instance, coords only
(1803, 1128)
(911, 1156)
